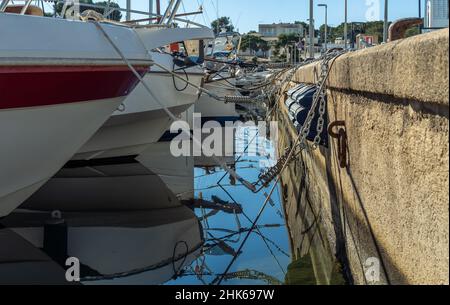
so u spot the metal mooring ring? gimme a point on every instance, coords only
(341, 136)
(334, 125)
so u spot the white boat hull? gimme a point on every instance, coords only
(143, 119)
(37, 147)
(55, 93)
(214, 110)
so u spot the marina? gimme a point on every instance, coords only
(144, 147)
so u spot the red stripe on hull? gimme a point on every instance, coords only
(31, 86)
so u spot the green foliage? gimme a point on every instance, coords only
(223, 22)
(412, 32)
(301, 272)
(306, 28)
(374, 28)
(254, 43)
(276, 52)
(287, 39)
(321, 33)
(305, 25)
(116, 15)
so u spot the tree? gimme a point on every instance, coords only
(375, 28)
(412, 32)
(254, 43)
(116, 15)
(305, 27)
(321, 33)
(287, 39)
(222, 23)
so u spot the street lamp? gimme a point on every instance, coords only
(345, 26)
(128, 16)
(150, 10)
(326, 24)
(386, 21)
(311, 28)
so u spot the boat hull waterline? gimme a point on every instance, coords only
(142, 120)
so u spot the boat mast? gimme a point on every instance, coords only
(311, 28)
(167, 12)
(128, 17)
(150, 10)
(3, 5)
(386, 21)
(174, 11)
(158, 10)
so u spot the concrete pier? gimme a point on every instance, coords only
(391, 200)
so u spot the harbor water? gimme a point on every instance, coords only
(266, 257)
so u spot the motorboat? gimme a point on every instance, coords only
(221, 80)
(55, 93)
(143, 118)
(107, 160)
(215, 110)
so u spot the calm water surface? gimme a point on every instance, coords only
(266, 254)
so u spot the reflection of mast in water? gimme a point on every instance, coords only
(252, 275)
(201, 270)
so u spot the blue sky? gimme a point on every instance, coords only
(247, 14)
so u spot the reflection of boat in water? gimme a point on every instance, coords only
(23, 264)
(106, 184)
(176, 172)
(149, 246)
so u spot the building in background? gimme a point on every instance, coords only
(436, 14)
(365, 41)
(270, 32)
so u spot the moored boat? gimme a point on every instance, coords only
(55, 92)
(143, 119)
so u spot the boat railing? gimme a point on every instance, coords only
(168, 19)
(5, 3)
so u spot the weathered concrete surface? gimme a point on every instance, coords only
(413, 68)
(311, 226)
(392, 200)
